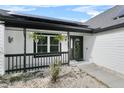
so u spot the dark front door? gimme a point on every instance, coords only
(76, 48)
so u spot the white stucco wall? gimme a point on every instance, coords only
(108, 50)
(2, 29)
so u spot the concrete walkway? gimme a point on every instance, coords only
(111, 79)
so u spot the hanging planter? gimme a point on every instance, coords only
(59, 37)
(36, 36)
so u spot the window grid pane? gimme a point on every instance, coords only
(54, 45)
(42, 46)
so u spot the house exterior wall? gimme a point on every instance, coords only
(105, 48)
(2, 29)
(108, 50)
(17, 45)
(88, 47)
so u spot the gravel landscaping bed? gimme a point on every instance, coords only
(70, 77)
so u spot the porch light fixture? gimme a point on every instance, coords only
(10, 39)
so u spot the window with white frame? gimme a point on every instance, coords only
(47, 45)
(42, 45)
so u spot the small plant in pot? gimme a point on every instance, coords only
(60, 38)
(55, 69)
(36, 36)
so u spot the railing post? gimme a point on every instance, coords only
(68, 34)
(24, 31)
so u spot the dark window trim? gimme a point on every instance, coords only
(49, 34)
(34, 44)
(53, 54)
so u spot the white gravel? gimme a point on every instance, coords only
(70, 77)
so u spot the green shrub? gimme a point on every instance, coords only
(59, 37)
(55, 70)
(15, 78)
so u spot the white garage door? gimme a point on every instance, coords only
(108, 50)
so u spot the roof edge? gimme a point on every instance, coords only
(98, 30)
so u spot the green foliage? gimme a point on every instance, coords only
(59, 37)
(21, 77)
(55, 70)
(15, 78)
(36, 36)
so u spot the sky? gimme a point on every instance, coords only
(79, 13)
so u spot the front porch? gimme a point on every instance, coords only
(22, 55)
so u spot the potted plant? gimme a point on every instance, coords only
(60, 38)
(36, 37)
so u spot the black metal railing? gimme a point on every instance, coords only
(34, 61)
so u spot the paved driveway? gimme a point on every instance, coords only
(107, 77)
